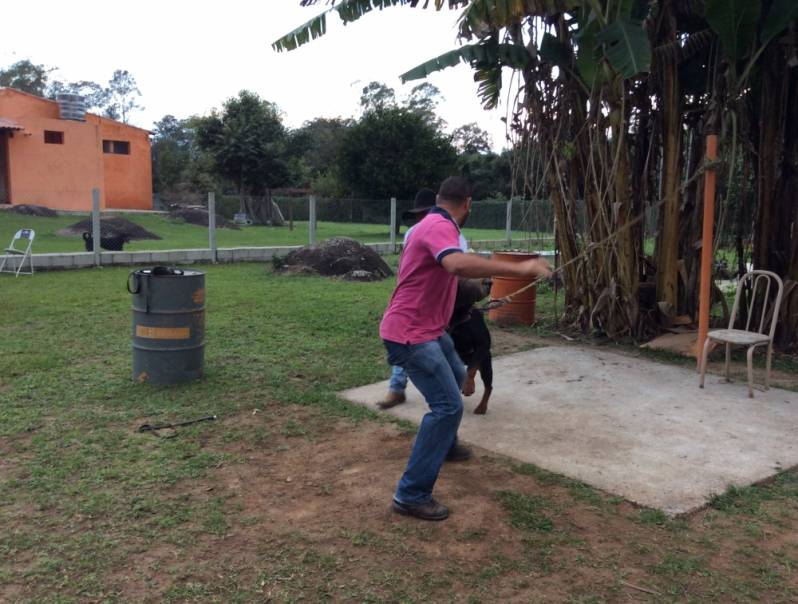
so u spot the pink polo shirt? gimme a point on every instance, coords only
(422, 303)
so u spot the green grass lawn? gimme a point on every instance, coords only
(267, 504)
(180, 235)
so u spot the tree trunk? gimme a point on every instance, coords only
(769, 251)
(566, 241)
(777, 184)
(690, 221)
(628, 272)
(263, 210)
(668, 244)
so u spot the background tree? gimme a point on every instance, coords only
(171, 153)
(316, 144)
(376, 95)
(470, 138)
(424, 99)
(393, 152)
(248, 144)
(117, 101)
(96, 97)
(490, 173)
(123, 94)
(26, 76)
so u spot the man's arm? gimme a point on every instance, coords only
(473, 266)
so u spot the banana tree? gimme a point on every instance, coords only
(540, 39)
(614, 99)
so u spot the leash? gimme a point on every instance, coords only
(154, 428)
(494, 303)
(499, 302)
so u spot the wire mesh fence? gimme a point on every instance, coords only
(520, 224)
(183, 224)
(370, 219)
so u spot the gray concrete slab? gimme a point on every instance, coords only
(628, 426)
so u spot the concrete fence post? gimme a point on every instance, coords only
(508, 228)
(312, 219)
(95, 225)
(393, 225)
(212, 225)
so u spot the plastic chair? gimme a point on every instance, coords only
(21, 254)
(748, 337)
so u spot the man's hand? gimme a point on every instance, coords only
(536, 268)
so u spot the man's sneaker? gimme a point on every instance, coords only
(391, 400)
(458, 453)
(432, 510)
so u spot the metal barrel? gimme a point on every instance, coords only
(168, 324)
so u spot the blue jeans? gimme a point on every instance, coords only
(439, 374)
(398, 379)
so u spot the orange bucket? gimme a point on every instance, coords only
(521, 310)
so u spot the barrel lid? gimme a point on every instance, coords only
(527, 253)
(168, 271)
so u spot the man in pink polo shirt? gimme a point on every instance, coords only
(413, 330)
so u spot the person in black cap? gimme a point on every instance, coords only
(423, 203)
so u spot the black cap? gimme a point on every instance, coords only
(424, 202)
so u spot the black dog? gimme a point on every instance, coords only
(472, 338)
(112, 243)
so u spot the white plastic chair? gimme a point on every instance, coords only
(751, 337)
(19, 254)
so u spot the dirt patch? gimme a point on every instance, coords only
(110, 227)
(199, 217)
(33, 210)
(317, 519)
(779, 378)
(314, 523)
(507, 341)
(339, 256)
(304, 506)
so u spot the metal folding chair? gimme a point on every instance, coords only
(753, 335)
(19, 255)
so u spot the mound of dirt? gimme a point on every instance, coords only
(110, 227)
(199, 216)
(32, 210)
(339, 256)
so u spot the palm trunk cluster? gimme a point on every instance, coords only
(607, 151)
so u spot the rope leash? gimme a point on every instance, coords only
(154, 428)
(494, 303)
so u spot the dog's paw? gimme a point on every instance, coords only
(469, 389)
(481, 410)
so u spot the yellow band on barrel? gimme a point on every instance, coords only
(163, 333)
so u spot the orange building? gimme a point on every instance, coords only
(53, 154)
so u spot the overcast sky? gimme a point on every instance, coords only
(188, 57)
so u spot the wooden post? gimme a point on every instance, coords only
(393, 225)
(312, 219)
(95, 225)
(705, 293)
(212, 225)
(508, 229)
(291, 215)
